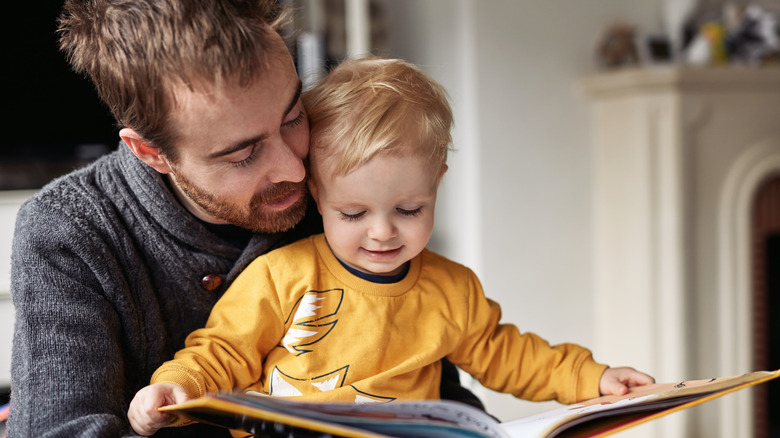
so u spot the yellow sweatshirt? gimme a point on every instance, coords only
(297, 323)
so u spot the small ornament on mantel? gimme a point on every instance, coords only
(709, 46)
(617, 47)
(735, 33)
(677, 14)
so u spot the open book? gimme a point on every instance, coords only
(425, 419)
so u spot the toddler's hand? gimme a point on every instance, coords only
(616, 381)
(143, 413)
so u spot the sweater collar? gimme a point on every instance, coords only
(161, 204)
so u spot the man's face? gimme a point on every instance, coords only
(240, 151)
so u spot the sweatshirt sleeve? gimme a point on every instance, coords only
(523, 364)
(228, 352)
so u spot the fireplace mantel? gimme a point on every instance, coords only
(682, 79)
(678, 154)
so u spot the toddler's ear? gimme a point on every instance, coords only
(314, 193)
(444, 168)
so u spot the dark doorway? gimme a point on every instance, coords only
(766, 304)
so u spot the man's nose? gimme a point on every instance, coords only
(286, 165)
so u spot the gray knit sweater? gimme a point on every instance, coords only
(106, 283)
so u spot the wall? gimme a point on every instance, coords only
(515, 203)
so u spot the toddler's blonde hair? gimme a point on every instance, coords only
(376, 106)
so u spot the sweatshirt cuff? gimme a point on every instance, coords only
(182, 376)
(588, 379)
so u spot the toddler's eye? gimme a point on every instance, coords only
(406, 212)
(351, 217)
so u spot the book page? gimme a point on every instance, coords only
(654, 400)
(542, 425)
(426, 419)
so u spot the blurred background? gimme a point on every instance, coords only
(609, 160)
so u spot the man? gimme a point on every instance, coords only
(113, 265)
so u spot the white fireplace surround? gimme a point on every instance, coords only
(754, 166)
(679, 156)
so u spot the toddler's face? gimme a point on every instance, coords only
(380, 215)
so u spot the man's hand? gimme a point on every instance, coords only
(143, 413)
(616, 381)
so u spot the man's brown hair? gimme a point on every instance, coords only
(136, 51)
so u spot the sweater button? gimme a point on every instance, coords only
(211, 282)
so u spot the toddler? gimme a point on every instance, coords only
(364, 313)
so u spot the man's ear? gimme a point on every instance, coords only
(146, 153)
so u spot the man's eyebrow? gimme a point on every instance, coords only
(250, 141)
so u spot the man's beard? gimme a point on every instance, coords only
(253, 217)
